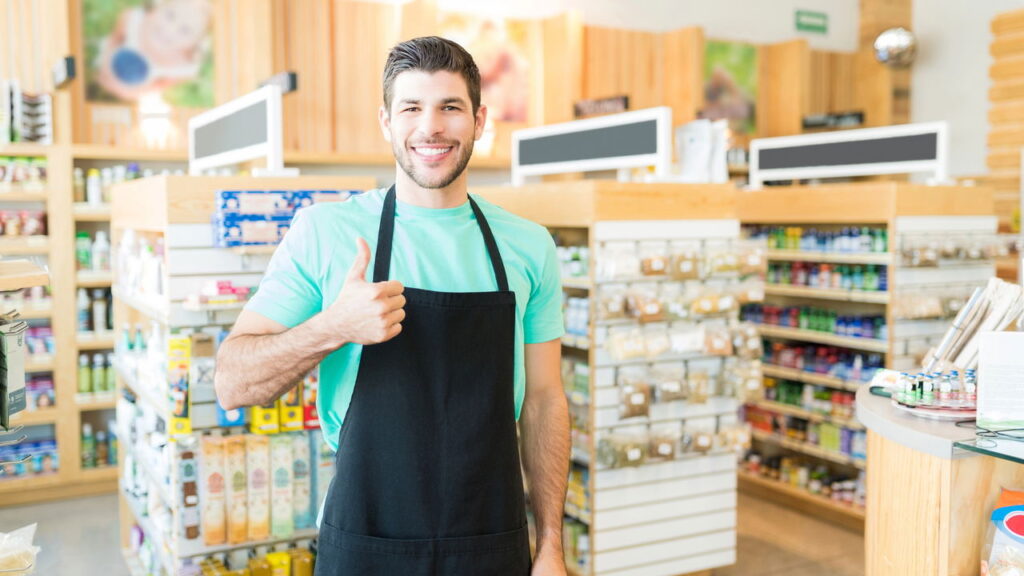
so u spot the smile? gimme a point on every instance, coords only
(432, 152)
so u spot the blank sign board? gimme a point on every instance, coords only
(241, 129)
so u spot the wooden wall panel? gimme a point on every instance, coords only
(1006, 117)
(683, 73)
(784, 88)
(882, 93)
(623, 62)
(309, 32)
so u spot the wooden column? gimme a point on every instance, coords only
(784, 88)
(881, 92)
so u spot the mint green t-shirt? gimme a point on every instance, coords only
(433, 249)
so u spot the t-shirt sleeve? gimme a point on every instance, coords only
(542, 320)
(289, 292)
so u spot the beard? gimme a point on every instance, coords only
(405, 161)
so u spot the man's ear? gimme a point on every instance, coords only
(481, 121)
(385, 123)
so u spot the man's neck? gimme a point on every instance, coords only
(451, 196)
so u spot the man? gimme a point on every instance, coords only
(420, 386)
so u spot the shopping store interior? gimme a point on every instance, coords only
(786, 237)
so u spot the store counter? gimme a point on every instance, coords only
(929, 498)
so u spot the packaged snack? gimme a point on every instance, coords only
(282, 491)
(618, 260)
(290, 409)
(257, 449)
(653, 259)
(302, 499)
(663, 444)
(735, 438)
(717, 341)
(1003, 551)
(612, 303)
(722, 260)
(669, 382)
(703, 441)
(698, 384)
(686, 339)
(622, 451)
(645, 305)
(686, 260)
(746, 341)
(634, 397)
(626, 344)
(753, 259)
(235, 489)
(656, 342)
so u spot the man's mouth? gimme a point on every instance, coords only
(432, 152)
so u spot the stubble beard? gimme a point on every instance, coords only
(405, 161)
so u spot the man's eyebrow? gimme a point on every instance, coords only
(404, 101)
(453, 100)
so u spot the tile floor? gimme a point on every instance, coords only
(80, 538)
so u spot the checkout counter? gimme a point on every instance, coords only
(932, 486)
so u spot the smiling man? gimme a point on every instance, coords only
(430, 349)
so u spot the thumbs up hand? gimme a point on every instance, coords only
(366, 312)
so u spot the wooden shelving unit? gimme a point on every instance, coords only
(655, 493)
(90, 213)
(29, 197)
(25, 246)
(847, 515)
(902, 210)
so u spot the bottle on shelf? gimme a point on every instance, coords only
(84, 311)
(99, 311)
(109, 375)
(101, 252)
(102, 448)
(83, 250)
(99, 377)
(78, 182)
(88, 447)
(94, 188)
(84, 375)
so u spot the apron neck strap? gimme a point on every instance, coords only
(386, 233)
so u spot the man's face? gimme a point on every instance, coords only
(431, 126)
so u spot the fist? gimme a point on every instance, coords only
(366, 312)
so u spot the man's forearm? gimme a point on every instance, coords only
(546, 449)
(254, 369)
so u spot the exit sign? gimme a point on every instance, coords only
(813, 22)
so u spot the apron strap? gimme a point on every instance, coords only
(386, 233)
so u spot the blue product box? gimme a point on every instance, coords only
(249, 230)
(254, 202)
(302, 198)
(230, 417)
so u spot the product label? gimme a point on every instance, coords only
(633, 454)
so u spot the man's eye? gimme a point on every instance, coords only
(411, 109)
(450, 108)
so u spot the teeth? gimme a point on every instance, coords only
(432, 151)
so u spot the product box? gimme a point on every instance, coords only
(265, 419)
(298, 199)
(282, 512)
(249, 230)
(235, 489)
(179, 354)
(323, 469)
(188, 483)
(301, 466)
(310, 390)
(13, 373)
(212, 486)
(234, 417)
(257, 454)
(291, 415)
(254, 202)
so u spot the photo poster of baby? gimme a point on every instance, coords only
(730, 84)
(138, 47)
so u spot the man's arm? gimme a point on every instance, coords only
(544, 426)
(262, 359)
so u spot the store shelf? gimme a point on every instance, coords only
(132, 561)
(154, 311)
(103, 152)
(91, 402)
(1003, 448)
(881, 258)
(33, 312)
(307, 534)
(577, 283)
(92, 342)
(867, 344)
(25, 245)
(145, 393)
(212, 308)
(100, 474)
(151, 532)
(810, 378)
(659, 359)
(94, 279)
(84, 212)
(22, 196)
(9, 485)
(822, 294)
(35, 417)
(39, 364)
(809, 449)
(576, 514)
(575, 341)
(21, 149)
(18, 274)
(790, 410)
(850, 510)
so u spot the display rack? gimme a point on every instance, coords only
(669, 517)
(176, 211)
(914, 218)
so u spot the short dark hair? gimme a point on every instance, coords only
(431, 54)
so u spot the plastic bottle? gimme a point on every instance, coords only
(99, 375)
(106, 183)
(108, 372)
(866, 239)
(94, 188)
(102, 448)
(83, 305)
(112, 449)
(84, 375)
(78, 181)
(83, 251)
(99, 311)
(125, 344)
(101, 252)
(88, 447)
(140, 340)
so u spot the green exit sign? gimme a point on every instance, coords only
(813, 22)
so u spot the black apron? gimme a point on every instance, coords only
(428, 475)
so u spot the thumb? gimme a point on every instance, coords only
(359, 265)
